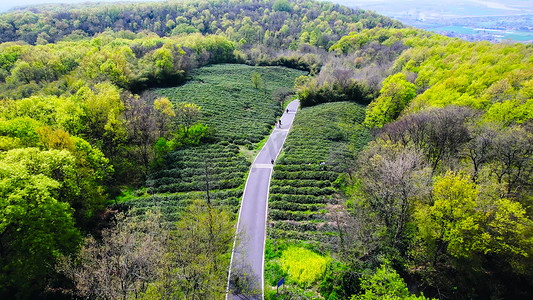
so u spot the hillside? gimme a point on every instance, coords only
(280, 22)
(127, 131)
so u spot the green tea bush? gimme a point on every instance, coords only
(295, 206)
(182, 179)
(309, 199)
(276, 214)
(296, 226)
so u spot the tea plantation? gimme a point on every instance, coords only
(231, 105)
(183, 179)
(239, 114)
(304, 182)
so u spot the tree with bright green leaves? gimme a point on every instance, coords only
(395, 95)
(385, 283)
(453, 216)
(188, 114)
(21, 131)
(80, 172)
(463, 224)
(164, 62)
(102, 108)
(256, 80)
(35, 226)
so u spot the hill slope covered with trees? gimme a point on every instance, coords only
(447, 179)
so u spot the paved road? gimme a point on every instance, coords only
(248, 252)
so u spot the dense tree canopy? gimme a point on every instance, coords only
(36, 220)
(441, 196)
(279, 22)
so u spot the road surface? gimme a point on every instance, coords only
(246, 274)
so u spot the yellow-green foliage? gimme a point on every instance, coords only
(303, 266)
(395, 95)
(480, 75)
(386, 36)
(470, 224)
(496, 78)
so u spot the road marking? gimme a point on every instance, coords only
(262, 166)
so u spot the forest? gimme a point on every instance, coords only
(127, 131)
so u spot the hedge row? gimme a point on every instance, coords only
(195, 186)
(304, 183)
(231, 173)
(298, 167)
(300, 190)
(310, 199)
(295, 226)
(317, 175)
(183, 173)
(284, 205)
(308, 236)
(276, 214)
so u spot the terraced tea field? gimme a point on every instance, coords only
(304, 183)
(183, 179)
(239, 113)
(305, 189)
(230, 103)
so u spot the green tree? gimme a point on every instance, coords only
(256, 80)
(164, 112)
(188, 114)
(461, 224)
(35, 229)
(163, 61)
(102, 110)
(395, 95)
(453, 215)
(385, 283)
(281, 5)
(80, 174)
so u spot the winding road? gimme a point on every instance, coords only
(246, 274)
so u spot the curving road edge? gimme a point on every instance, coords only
(248, 255)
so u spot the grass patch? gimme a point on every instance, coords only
(247, 153)
(126, 195)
